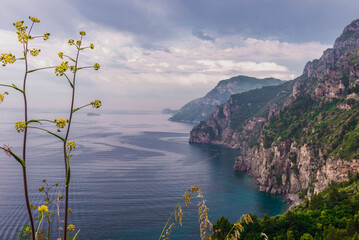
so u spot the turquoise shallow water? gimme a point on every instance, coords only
(128, 173)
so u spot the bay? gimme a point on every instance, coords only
(128, 172)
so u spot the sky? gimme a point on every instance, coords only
(164, 53)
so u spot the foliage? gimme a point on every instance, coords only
(331, 214)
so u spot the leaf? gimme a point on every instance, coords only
(68, 177)
(18, 159)
(13, 86)
(62, 139)
(72, 86)
(30, 121)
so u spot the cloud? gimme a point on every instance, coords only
(201, 35)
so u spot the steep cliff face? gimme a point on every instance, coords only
(304, 138)
(200, 109)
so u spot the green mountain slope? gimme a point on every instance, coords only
(201, 108)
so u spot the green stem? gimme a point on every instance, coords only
(64, 146)
(37, 69)
(169, 219)
(76, 109)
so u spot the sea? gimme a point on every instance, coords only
(128, 172)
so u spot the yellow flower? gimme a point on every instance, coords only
(96, 66)
(71, 41)
(60, 122)
(46, 36)
(70, 211)
(27, 230)
(61, 55)
(96, 103)
(34, 19)
(82, 33)
(1, 98)
(19, 26)
(71, 227)
(43, 209)
(20, 126)
(23, 37)
(71, 145)
(92, 46)
(35, 52)
(7, 58)
(60, 70)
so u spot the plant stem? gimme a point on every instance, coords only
(64, 148)
(24, 150)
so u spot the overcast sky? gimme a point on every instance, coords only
(163, 53)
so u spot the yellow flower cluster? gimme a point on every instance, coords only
(7, 58)
(27, 230)
(19, 26)
(60, 70)
(20, 126)
(82, 33)
(71, 227)
(43, 209)
(1, 98)
(96, 103)
(71, 42)
(60, 122)
(34, 52)
(34, 19)
(46, 36)
(96, 66)
(61, 55)
(71, 145)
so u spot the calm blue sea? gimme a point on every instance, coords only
(128, 172)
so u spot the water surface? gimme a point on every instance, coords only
(128, 172)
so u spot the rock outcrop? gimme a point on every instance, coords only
(306, 133)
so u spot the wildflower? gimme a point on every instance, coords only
(27, 230)
(1, 98)
(82, 33)
(92, 46)
(70, 211)
(41, 189)
(23, 37)
(96, 103)
(46, 36)
(71, 41)
(61, 55)
(34, 19)
(35, 52)
(71, 145)
(60, 70)
(96, 66)
(43, 209)
(71, 227)
(43, 180)
(60, 122)
(20, 126)
(19, 26)
(7, 58)
(59, 197)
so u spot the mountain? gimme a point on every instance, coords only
(201, 108)
(306, 133)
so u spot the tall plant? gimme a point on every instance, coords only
(24, 36)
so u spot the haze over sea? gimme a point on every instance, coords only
(128, 172)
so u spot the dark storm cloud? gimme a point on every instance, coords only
(286, 20)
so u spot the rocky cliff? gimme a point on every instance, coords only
(201, 108)
(305, 134)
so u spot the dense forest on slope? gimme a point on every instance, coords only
(332, 214)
